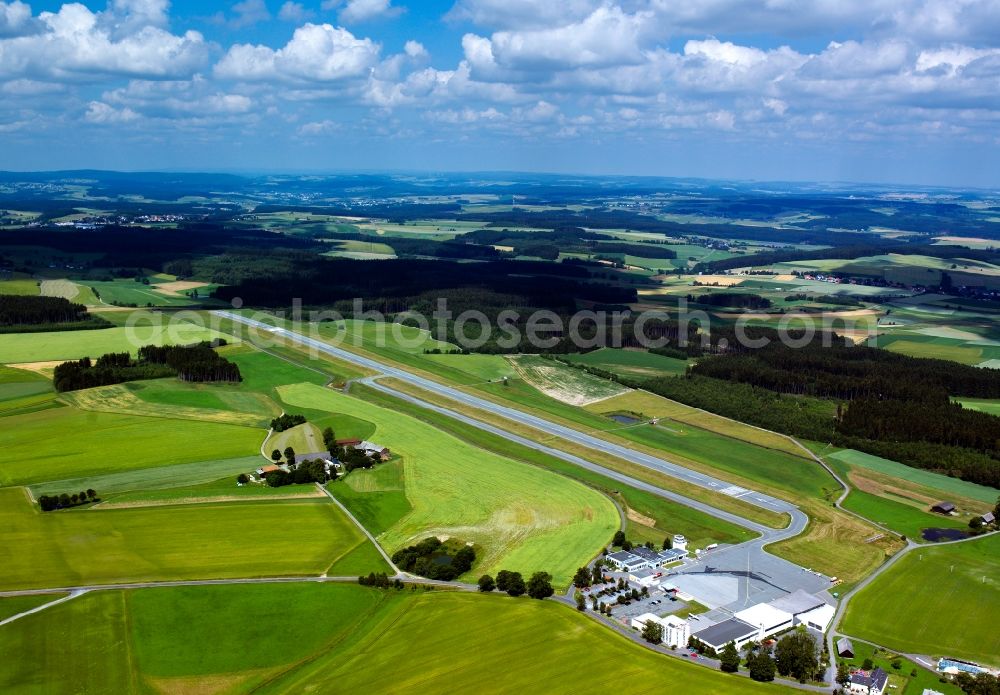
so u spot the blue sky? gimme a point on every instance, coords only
(903, 91)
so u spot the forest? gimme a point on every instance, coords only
(29, 314)
(198, 362)
(742, 300)
(863, 398)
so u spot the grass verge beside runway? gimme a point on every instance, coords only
(937, 601)
(523, 518)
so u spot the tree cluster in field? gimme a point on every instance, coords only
(112, 368)
(980, 684)
(29, 314)
(49, 503)
(539, 586)
(743, 300)
(794, 657)
(436, 560)
(197, 362)
(380, 580)
(305, 473)
(286, 421)
(835, 299)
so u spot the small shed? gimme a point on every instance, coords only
(845, 648)
(943, 507)
(988, 518)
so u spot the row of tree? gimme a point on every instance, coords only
(539, 586)
(49, 503)
(286, 421)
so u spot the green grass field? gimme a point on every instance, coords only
(376, 497)
(12, 605)
(632, 364)
(900, 680)
(159, 478)
(365, 641)
(935, 601)
(172, 398)
(536, 646)
(481, 367)
(937, 481)
(81, 294)
(655, 516)
(126, 292)
(68, 345)
(523, 517)
(195, 541)
(983, 405)
(69, 443)
(898, 516)
(24, 288)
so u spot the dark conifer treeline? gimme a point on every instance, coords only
(197, 362)
(745, 300)
(16, 310)
(193, 362)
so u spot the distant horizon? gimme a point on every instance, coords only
(256, 172)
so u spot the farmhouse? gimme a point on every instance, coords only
(944, 508)
(845, 648)
(264, 471)
(733, 630)
(348, 442)
(627, 562)
(329, 463)
(865, 683)
(988, 518)
(374, 450)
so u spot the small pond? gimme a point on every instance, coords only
(625, 419)
(943, 534)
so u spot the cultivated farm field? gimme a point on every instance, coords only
(267, 638)
(523, 518)
(70, 345)
(935, 596)
(65, 442)
(193, 541)
(632, 364)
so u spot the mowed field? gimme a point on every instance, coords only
(193, 541)
(69, 345)
(495, 645)
(632, 364)
(69, 443)
(366, 641)
(938, 601)
(523, 518)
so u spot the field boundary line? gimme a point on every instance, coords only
(365, 531)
